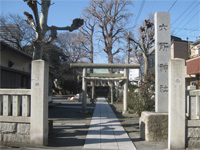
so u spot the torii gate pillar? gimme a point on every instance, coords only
(84, 92)
(91, 65)
(125, 97)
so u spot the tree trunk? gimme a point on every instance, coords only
(145, 64)
(91, 60)
(38, 50)
(91, 54)
(110, 60)
(110, 57)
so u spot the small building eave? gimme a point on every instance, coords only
(14, 49)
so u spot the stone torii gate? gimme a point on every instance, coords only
(109, 77)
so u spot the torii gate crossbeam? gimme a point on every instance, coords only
(85, 78)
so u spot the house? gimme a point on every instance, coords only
(179, 48)
(134, 74)
(15, 67)
(193, 64)
(195, 49)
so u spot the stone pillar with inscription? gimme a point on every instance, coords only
(152, 123)
(162, 57)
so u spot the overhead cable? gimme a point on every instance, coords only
(184, 12)
(188, 21)
(139, 12)
(172, 5)
(191, 29)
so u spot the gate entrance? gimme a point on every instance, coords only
(104, 78)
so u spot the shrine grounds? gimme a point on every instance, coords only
(70, 127)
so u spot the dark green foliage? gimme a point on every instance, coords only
(135, 103)
(147, 91)
(70, 86)
(142, 98)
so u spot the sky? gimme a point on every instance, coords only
(184, 14)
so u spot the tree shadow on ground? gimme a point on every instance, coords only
(70, 126)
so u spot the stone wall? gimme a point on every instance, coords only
(14, 133)
(154, 126)
(193, 132)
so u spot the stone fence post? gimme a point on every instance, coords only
(176, 118)
(39, 102)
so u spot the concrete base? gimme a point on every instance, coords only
(124, 112)
(193, 132)
(154, 126)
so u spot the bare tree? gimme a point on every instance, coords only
(15, 31)
(71, 46)
(112, 18)
(145, 42)
(87, 31)
(40, 26)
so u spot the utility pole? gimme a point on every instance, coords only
(189, 52)
(128, 46)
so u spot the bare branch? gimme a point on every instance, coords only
(151, 52)
(111, 17)
(33, 5)
(117, 32)
(52, 36)
(75, 25)
(117, 51)
(29, 20)
(132, 39)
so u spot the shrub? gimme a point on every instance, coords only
(135, 104)
(142, 99)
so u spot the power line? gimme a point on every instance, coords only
(153, 3)
(186, 33)
(193, 29)
(189, 31)
(184, 12)
(188, 21)
(139, 12)
(172, 5)
(188, 13)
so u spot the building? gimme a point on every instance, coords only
(193, 64)
(195, 49)
(134, 74)
(15, 67)
(179, 48)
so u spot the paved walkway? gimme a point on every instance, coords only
(105, 130)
